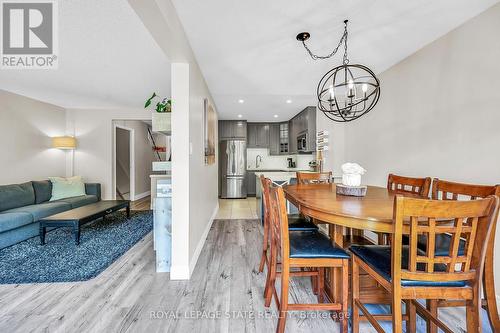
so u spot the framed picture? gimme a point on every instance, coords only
(209, 131)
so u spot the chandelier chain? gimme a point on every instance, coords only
(343, 40)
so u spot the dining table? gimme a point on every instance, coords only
(372, 212)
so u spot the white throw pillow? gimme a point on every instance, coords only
(67, 187)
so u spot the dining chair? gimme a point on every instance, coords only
(296, 222)
(298, 250)
(419, 187)
(410, 274)
(314, 177)
(447, 190)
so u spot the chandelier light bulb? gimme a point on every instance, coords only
(351, 84)
(332, 92)
(364, 87)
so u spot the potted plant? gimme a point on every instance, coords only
(161, 117)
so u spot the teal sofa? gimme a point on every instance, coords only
(23, 205)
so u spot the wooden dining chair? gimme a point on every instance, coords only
(298, 250)
(314, 177)
(408, 185)
(296, 222)
(446, 190)
(418, 187)
(409, 273)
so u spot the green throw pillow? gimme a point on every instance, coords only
(66, 187)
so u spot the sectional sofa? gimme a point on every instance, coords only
(23, 205)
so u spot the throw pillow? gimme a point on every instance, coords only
(66, 187)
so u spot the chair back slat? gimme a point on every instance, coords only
(473, 221)
(409, 185)
(279, 221)
(314, 177)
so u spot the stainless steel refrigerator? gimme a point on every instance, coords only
(233, 168)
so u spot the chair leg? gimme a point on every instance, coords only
(397, 314)
(314, 284)
(321, 284)
(344, 323)
(271, 277)
(472, 309)
(411, 312)
(355, 295)
(265, 247)
(285, 279)
(433, 309)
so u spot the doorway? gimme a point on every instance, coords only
(124, 163)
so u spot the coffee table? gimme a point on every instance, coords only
(75, 218)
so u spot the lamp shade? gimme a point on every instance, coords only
(64, 142)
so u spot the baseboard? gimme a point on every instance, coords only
(180, 272)
(201, 243)
(141, 195)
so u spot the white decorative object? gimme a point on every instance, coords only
(351, 174)
(162, 121)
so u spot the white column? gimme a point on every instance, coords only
(180, 171)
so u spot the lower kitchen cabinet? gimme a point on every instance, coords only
(251, 184)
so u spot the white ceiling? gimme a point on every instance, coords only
(247, 49)
(107, 59)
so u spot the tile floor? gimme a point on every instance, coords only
(231, 209)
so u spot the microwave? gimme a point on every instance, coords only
(302, 142)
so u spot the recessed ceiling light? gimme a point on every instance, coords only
(288, 101)
(241, 101)
(275, 116)
(239, 116)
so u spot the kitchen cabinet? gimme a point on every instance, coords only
(251, 184)
(258, 135)
(311, 128)
(274, 139)
(292, 139)
(232, 129)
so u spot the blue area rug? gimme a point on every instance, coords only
(60, 260)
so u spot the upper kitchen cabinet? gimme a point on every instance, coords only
(278, 139)
(274, 139)
(311, 128)
(232, 129)
(258, 135)
(303, 123)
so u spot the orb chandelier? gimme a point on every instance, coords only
(346, 92)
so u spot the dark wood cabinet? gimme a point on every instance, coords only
(232, 129)
(258, 135)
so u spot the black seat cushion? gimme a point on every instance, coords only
(300, 223)
(378, 257)
(312, 244)
(442, 246)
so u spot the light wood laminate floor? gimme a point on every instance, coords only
(130, 297)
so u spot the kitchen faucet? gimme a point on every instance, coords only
(258, 159)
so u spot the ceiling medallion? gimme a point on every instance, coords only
(347, 91)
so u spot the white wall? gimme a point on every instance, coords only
(93, 129)
(439, 112)
(26, 126)
(334, 157)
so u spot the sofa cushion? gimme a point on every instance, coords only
(42, 210)
(80, 201)
(67, 187)
(9, 221)
(16, 195)
(43, 191)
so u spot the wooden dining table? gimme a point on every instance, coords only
(373, 212)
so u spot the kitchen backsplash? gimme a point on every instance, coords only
(276, 162)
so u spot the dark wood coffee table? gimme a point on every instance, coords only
(75, 218)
